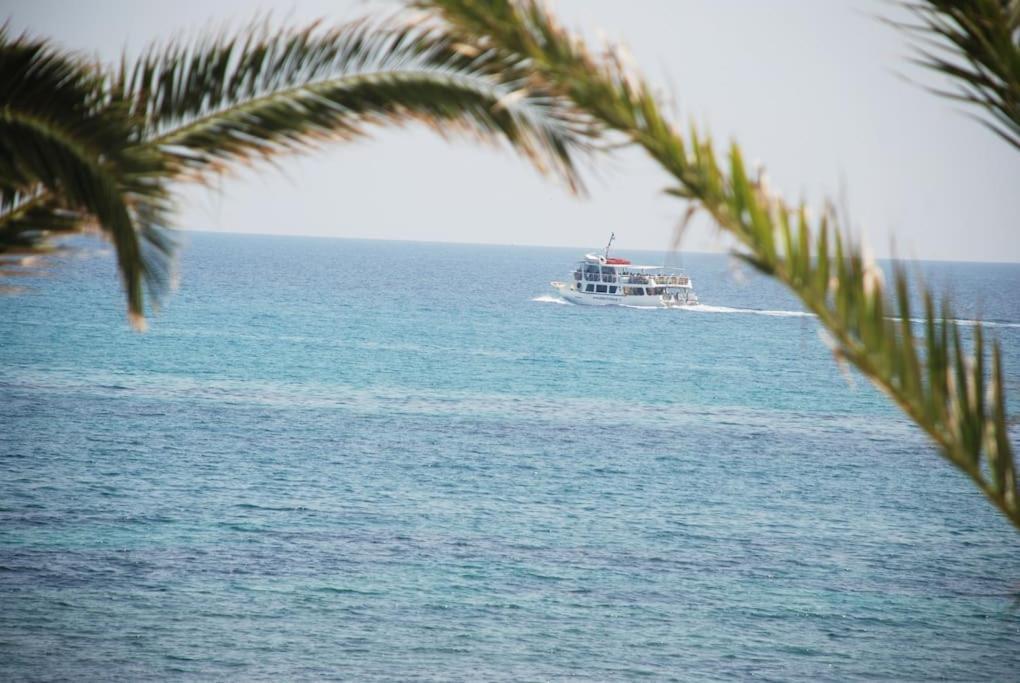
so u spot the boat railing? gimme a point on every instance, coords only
(681, 280)
(675, 280)
(632, 278)
(598, 277)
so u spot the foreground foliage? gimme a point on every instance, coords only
(955, 396)
(976, 43)
(95, 148)
(70, 160)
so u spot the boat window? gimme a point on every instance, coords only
(589, 288)
(612, 289)
(577, 275)
(640, 291)
(601, 289)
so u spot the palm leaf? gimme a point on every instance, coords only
(58, 138)
(951, 394)
(261, 92)
(186, 110)
(976, 43)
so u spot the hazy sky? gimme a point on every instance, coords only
(811, 88)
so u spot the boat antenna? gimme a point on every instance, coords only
(612, 237)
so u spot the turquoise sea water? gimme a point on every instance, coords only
(398, 461)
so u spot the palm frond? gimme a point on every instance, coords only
(951, 394)
(59, 138)
(79, 146)
(28, 223)
(260, 93)
(976, 43)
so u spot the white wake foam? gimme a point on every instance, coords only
(971, 323)
(703, 308)
(549, 299)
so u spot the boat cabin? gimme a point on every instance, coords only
(616, 276)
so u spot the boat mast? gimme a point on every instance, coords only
(612, 237)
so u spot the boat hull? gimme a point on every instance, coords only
(593, 299)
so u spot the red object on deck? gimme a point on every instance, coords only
(618, 261)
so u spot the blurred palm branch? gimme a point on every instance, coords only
(70, 161)
(919, 358)
(976, 43)
(90, 147)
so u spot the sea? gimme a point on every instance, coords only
(353, 460)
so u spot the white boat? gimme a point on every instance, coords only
(599, 280)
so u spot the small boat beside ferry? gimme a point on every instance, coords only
(599, 280)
